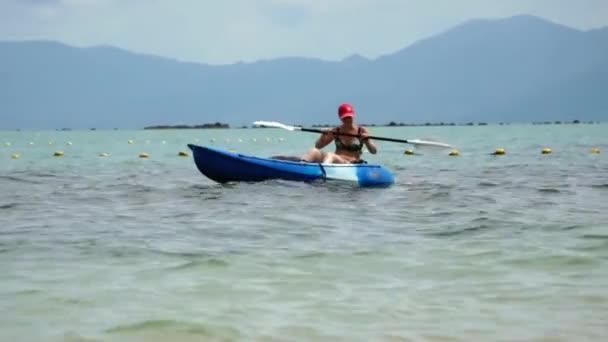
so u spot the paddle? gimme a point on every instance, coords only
(312, 130)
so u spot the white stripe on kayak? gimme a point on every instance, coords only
(341, 172)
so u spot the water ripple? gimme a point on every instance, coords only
(129, 249)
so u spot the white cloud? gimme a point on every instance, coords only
(230, 30)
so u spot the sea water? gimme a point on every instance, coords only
(469, 247)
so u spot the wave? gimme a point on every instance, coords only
(19, 180)
(176, 328)
(600, 186)
(209, 262)
(595, 236)
(557, 261)
(549, 190)
(574, 226)
(464, 231)
(8, 206)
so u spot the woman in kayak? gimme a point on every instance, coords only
(348, 149)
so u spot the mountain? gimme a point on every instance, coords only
(515, 69)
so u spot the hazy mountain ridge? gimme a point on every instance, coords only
(515, 69)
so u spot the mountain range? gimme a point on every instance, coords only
(516, 69)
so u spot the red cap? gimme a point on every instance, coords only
(345, 110)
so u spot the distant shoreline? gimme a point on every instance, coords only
(220, 125)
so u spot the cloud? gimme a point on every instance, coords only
(62, 2)
(231, 30)
(285, 15)
(36, 2)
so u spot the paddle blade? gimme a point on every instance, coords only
(427, 143)
(276, 125)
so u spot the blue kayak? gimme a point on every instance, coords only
(225, 166)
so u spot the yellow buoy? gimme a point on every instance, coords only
(130, 141)
(546, 150)
(182, 154)
(7, 144)
(595, 150)
(143, 155)
(103, 154)
(58, 154)
(15, 156)
(499, 151)
(409, 152)
(454, 153)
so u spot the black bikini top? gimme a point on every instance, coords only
(348, 147)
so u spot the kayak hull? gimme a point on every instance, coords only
(225, 166)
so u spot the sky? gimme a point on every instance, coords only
(229, 31)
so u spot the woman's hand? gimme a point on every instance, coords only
(364, 135)
(328, 133)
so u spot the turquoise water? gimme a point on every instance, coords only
(474, 247)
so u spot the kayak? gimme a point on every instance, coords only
(227, 166)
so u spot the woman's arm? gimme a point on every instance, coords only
(325, 138)
(371, 147)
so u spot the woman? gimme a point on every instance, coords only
(348, 149)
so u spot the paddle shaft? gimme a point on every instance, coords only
(355, 135)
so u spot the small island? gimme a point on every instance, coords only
(203, 126)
